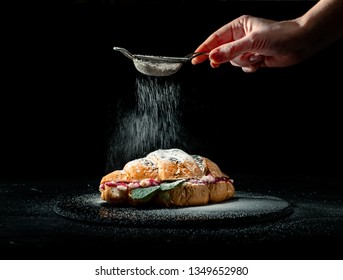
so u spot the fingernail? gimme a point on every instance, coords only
(217, 56)
(255, 58)
(194, 61)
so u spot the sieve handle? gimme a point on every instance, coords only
(192, 55)
(124, 51)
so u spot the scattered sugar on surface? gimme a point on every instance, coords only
(90, 207)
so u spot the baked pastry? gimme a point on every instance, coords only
(167, 178)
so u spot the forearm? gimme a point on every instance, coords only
(323, 23)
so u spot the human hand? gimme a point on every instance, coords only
(250, 43)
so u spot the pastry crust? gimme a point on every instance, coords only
(203, 181)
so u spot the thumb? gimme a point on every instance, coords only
(231, 50)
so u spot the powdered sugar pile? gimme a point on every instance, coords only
(158, 69)
(194, 164)
(171, 155)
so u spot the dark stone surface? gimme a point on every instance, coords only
(245, 208)
(31, 229)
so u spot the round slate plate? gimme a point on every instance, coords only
(242, 209)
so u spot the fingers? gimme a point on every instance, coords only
(236, 43)
(228, 33)
(220, 37)
(208, 46)
(253, 67)
(239, 53)
(199, 59)
(248, 62)
(221, 51)
(210, 43)
(247, 59)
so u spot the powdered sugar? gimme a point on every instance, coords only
(158, 69)
(182, 162)
(153, 123)
(171, 155)
(200, 162)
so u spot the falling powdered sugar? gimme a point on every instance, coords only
(153, 123)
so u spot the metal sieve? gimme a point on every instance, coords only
(158, 65)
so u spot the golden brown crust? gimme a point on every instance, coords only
(221, 191)
(190, 194)
(116, 176)
(170, 165)
(141, 168)
(213, 168)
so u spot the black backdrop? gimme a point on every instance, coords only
(62, 85)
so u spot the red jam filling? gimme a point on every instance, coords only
(152, 182)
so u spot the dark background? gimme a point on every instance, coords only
(276, 132)
(61, 85)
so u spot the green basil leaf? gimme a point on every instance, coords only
(170, 185)
(140, 193)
